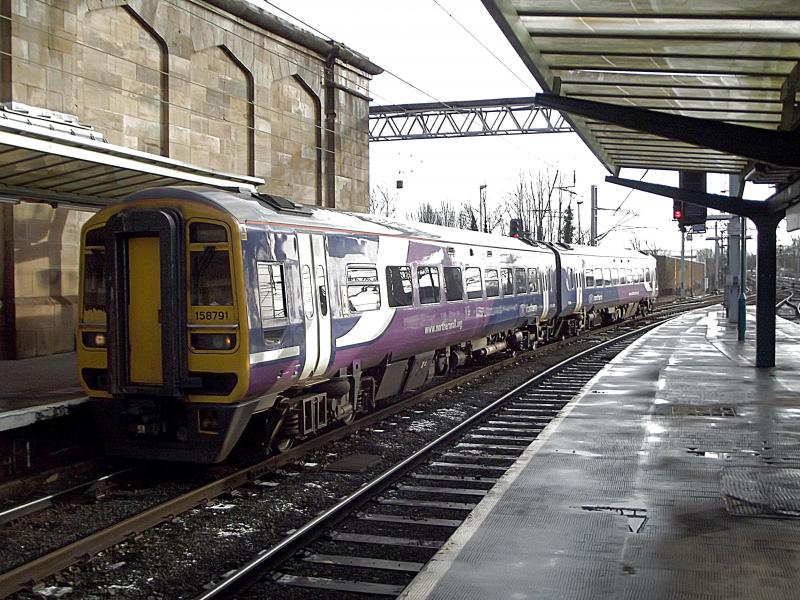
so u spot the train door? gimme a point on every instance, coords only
(545, 274)
(147, 313)
(579, 282)
(316, 309)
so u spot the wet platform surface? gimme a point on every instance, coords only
(34, 389)
(675, 475)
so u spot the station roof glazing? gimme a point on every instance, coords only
(710, 59)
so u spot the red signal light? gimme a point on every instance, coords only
(677, 214)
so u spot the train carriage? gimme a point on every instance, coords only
(203, 311)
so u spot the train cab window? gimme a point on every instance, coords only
(520, 281)
(207, 233)
(507, 282)
(589, 276)
(210, 271)
(428, 279)
(363, 293)
(398, 284)
(492, 283)
(474, 285)
(533, 281)
(453, 284)
(94, 283)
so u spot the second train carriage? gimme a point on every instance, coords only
(204, 310)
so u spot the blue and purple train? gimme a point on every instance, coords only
(206, 312)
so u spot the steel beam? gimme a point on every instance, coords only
(775, 147)
(431, 120)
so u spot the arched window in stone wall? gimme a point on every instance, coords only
(120, 87)
(296, 153)
(221, 120)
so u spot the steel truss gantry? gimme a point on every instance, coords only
(463, 118)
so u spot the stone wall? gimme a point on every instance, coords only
(180, 78)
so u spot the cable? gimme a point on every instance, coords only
(497, 58)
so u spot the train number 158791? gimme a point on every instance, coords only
(211, 315)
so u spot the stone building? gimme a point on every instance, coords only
(219, 84)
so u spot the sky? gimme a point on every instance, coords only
(446, 50)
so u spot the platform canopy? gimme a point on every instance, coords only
(44, 158)
(710, 61)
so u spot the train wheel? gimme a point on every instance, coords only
(282, 435)
(284, 444)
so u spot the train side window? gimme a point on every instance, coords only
(507, 282)
(474, 284)
(614, 276)
(570, 279)
(492, 283)
(398, 283)
(428, 279)
(533, 281)
(598, 277)
(322, 291)
(210, 271)
(308, 291)
(607, 277)
(647, 275)
(589, 275)
(520, 281)
(453, 284)
(363, 293)
(271, 300)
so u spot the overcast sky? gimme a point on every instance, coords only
(419, 42)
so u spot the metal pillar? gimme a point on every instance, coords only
(593, 217)
(742, 300)
(734, 264)
(765, 304)
(716, 256)
(682, 287)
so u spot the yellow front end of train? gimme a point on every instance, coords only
(162, 337)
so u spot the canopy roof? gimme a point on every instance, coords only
(717, 60)
(44, 157)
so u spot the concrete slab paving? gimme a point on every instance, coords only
(676, 474)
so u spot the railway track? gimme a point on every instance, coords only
(40, 568)
(375, 541)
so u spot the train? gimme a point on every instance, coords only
(206, 314)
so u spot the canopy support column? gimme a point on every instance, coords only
(765, 303)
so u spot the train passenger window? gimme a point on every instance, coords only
(363, 293)
(533, 281)
(428, 279)
(322, 291)
(647, 275)
(210, 271)
(607, 277)
(94, 282)
(308, 291)
(492, 283)
(589, 275)
(507, 282)
(271, 293)
(453, 284)
(474, 285)
(520, 281)
(207, 233)
(614, 276)
(598, 277)
(623, 276)
(570, 280)
(398, 283)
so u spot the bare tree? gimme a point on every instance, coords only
(531, 201)
(646, 246)
(444, 215)
(382, 202)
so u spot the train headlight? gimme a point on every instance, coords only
(94, 339)
(213, 341)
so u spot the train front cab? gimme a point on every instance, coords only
(162, 344)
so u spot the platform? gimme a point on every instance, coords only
(35, 389)
(676, 474)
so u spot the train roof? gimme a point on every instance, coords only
(247, 207)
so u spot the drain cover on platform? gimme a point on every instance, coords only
(354, 463)
(761, 491)
(696, 410)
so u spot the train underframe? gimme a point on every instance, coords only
(303, 413)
